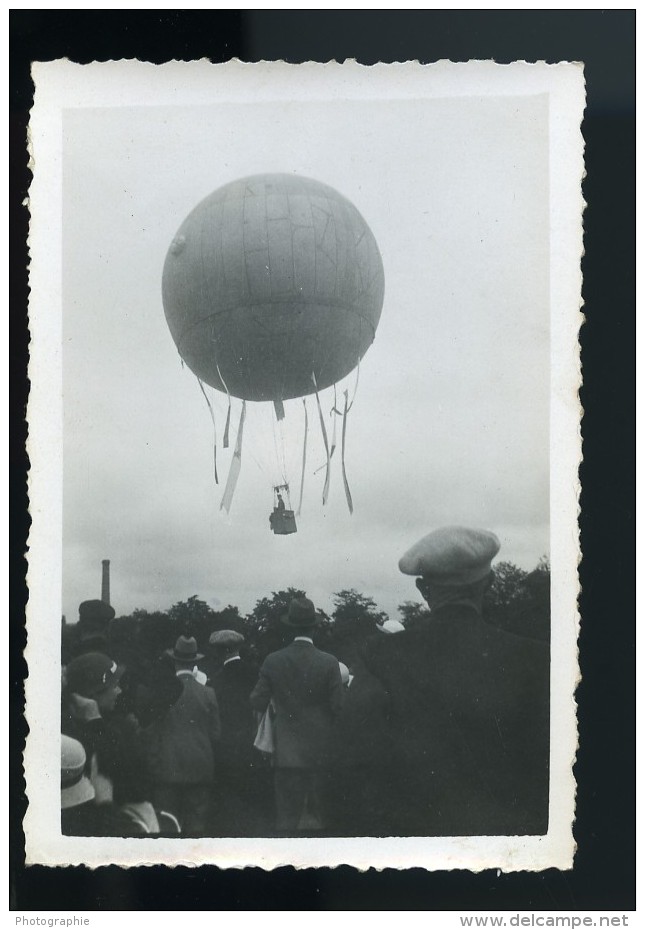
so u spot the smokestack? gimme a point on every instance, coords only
(105, 582)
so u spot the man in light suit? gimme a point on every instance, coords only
(305, 686)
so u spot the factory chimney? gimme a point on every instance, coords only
(105, 582)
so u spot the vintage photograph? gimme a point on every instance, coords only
(304, 441)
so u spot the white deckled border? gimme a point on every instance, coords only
(63, 84)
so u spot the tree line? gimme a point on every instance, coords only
(517, 601)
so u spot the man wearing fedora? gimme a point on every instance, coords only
(305, 687)
(181, 746)
(467, 704)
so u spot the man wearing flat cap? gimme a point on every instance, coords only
(305, 686)
(468, 704)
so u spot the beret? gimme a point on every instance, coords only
(226, 638)
(452, 555)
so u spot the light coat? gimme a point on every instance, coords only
(307, 691)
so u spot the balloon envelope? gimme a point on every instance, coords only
(269, 279)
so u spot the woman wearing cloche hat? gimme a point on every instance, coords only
(110, 739)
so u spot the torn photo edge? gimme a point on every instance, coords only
(61, 85)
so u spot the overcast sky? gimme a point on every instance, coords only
(451, 420)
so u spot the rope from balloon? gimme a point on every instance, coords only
(342, 458)
(283, 453)
(236, 465)
(333, 435)
(210, 408)
(324, 433)
(278, 449)
(358, 374)
(304, 455)
(336, 412)
(332, 413)
(279, 409)
(228, 414)
(334, 409)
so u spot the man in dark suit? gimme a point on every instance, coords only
(467, 704)
(304, 685)
(241, 774)
(181, 746)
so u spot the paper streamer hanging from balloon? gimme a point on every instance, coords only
(228, 413)
(304, 456)
(212, 413)
(236, 464)
(348, 494)
(333, 433)
(325, 440)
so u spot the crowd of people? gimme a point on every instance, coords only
(437, 730)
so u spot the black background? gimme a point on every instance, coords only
(604, 873)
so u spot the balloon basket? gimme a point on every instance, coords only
(283, 522)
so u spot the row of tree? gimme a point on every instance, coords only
(517, 601)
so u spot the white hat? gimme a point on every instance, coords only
(391, 626)
(75, 786)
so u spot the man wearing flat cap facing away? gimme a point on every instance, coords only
(305, 686)
(468, 704)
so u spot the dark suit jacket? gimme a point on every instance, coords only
(307, 691)
(181, 745)
(468, 709)
(232, 684)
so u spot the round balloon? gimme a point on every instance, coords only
(272, 279)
